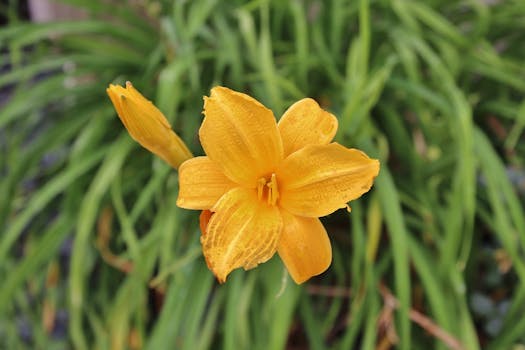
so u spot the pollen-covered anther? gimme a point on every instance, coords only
(268, 189)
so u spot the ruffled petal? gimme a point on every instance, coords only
(305, 123)
(201, 184)
(304, 247)
(240, 135)
(242, 232)
(317, 180)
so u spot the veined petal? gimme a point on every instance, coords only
(305, 123)
(242, 232)
(240, 135)
(304, 247)
(147, 125)
(317, 180)
(201, 183)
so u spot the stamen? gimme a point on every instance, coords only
(273, 194)
(267, 189)
(260, 187)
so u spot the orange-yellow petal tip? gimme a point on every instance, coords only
(319, 179)
(147, 125)
(304, 247)
(306, 123)
(375, 166)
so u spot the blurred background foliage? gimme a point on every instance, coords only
(94, 253)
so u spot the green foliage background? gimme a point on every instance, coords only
(434, 89)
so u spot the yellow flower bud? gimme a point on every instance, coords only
(147, 125)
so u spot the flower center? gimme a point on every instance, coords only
(267, 189)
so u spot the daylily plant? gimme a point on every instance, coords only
(263, 185)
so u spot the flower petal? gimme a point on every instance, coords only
(147, 125)
(317, 180)
(240, 135)
(242, 232)
(204, 218)
(305, 123)
(304, 247)
(201, 183)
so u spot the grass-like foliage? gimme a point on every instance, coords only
(94, 253)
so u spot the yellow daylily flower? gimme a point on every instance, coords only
(147, 125)
(263, 185)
